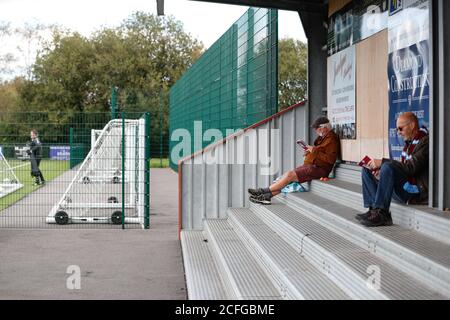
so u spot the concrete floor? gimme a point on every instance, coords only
(114, 264)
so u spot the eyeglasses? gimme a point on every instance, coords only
(402, 127)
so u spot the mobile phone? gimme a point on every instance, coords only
(302, 144)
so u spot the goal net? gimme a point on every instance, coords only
(8, 179)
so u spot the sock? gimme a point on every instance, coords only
(266, 190)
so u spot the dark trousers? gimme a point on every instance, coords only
(35, 171)
(379, 193)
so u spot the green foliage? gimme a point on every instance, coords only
(292, 72)
(143, 58)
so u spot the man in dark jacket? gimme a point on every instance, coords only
(35, 153)
(405, 181)
(318, 163)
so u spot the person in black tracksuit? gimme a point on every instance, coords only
(35, 153)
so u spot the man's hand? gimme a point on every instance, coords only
(376, 173)
(309, 149)
(375, 164)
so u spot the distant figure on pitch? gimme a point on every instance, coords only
(35, 153)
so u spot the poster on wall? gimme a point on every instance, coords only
(341, 88)
(370, 17)
(408, 65)
(356, 22)
(340, 30)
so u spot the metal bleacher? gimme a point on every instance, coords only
(308, 245)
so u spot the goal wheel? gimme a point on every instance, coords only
(61, 217)
(86, 180)
(116, 180)
(116, 217)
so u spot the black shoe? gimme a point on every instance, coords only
(363, 216)
(264, 199)
(389, 219)
(255, 192)
(377, 218)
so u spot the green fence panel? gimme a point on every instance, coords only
(234, 83)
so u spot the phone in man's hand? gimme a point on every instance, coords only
(302, 144)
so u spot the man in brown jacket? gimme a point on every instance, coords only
(319, 161)
(405, 181)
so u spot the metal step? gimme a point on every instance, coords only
(423, 258)
(430, 222)
(241, 273)
(292, 274)
(346, 263)
(202, 276)
(349, 173)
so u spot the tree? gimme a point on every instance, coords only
(143, 58)
(6, 58)
(293, 63)
(31, 36)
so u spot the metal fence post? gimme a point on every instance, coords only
(147, 172)
(123, 170)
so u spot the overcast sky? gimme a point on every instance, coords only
(205, 21)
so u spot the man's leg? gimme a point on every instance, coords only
(369, 190)
(369, 187)
(264, 195)
(276, 187)
(391, 178)
(287, 178)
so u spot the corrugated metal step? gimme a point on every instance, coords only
(430, 222)
(241, 273)
(346, 263)
(349, 173)
(202, 276)
(425, 259)
(292, 274)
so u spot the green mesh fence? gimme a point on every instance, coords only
(234, 83)
(74, 170)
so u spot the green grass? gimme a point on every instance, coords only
(50, 169)
(156, 163)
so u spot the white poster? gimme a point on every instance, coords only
(341, 88)
(408, 23)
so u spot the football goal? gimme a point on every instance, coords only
(111, 184)
(8, 179)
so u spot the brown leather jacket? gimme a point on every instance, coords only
(325, 151)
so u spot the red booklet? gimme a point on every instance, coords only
(302, 144)
(365, 162)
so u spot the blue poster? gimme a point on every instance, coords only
(408, 66)
(409, 89)
(60, 153)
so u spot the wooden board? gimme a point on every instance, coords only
(371, 101)
(336, 5)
